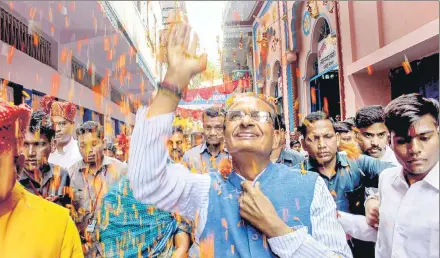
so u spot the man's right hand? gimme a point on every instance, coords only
(182, 61)
(183, 64)
(372, 212)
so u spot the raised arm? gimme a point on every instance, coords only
(168, 186)
(327, 238)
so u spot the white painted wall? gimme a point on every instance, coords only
(24, 70)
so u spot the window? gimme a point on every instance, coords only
(15, 33)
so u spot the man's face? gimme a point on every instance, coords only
(63, 129)
(297, 147)
(198, 140)
(36, 149)
(321, 141)
(175, 146)
(373, 140)
(247, 134)
(109, 153)
(338, 118)
(418, 152)
(91, 148)
(348, 137)
(213, 129)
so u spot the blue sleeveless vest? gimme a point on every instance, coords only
(290, 192)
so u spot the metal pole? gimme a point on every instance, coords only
(340, 61)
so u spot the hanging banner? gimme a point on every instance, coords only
(216, 98)
(327, 55)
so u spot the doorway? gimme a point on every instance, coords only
(324, 93)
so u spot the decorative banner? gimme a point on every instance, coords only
(196, 114)
(212, 92)
(327, 56)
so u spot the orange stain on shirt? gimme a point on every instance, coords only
(224, 223)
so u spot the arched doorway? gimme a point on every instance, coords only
(322, 70)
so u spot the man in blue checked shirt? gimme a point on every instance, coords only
(341, 174)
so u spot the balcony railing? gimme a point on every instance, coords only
(81, 75)
(17, 34)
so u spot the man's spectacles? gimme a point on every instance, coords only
(257, 116)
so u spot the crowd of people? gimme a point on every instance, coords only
(367, 186)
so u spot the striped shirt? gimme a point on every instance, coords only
(169, 188)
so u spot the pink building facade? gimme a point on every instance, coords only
(341, 57)
(395, 29)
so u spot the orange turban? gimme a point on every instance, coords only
(66, 110)
(14, 121)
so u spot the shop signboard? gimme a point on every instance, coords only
(327, 56)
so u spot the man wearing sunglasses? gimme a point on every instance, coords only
(205, 157)
(261, 209)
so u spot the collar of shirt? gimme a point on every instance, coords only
(68, 146)
(390, 157)
(341, 161)
(47, 175)
(204, 148)
(256, 178)
(105, 162)
(283, 156)
(432, 178)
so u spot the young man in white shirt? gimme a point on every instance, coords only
(405, 212)
(63, 117)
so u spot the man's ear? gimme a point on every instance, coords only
(338, 139)
(276, 139)
(304, 146)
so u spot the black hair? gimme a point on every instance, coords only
(177, 129)
(293, 142)
(91, 127)
(214, 112)
(342, 127)
(369, 115)
(41, 121)
(351, 121)
(401, 112)
(279, 123)
(313, 117)
(111, 147)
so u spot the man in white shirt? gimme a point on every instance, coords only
(373, 135)
(407, 205)
(252, 220)
(63, 116)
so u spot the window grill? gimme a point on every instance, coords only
(16, 33)
(81, 75)
(115, 96)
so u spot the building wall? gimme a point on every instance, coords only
(304, 35)
(270, 15)
(394, 29)
(32, 74)
(291, 33)
(387, 22)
